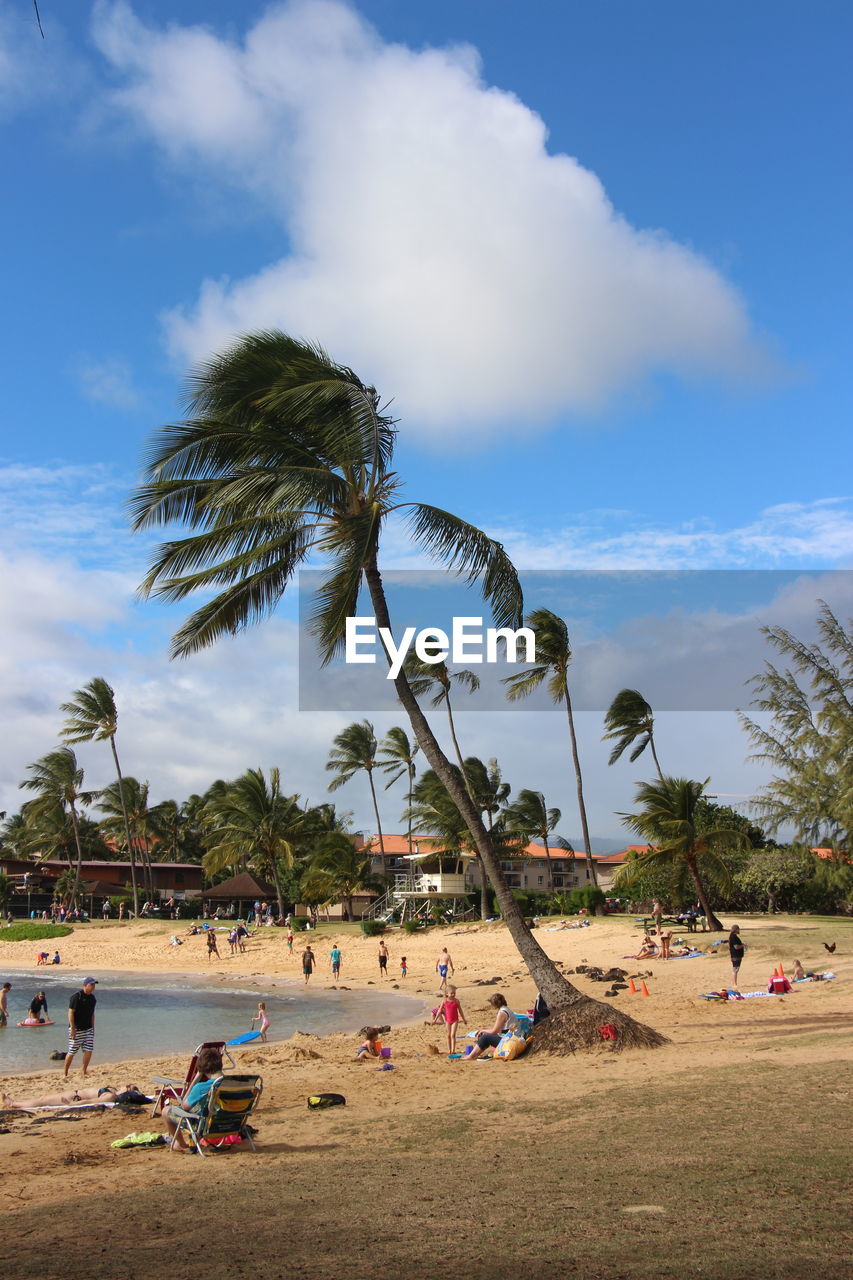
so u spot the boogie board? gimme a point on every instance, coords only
(244, 1039)
(32, 1022)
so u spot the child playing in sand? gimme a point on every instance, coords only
(261, 1017)
(371, 1046)
(404, 969)
(290, 942)
(451, 1011)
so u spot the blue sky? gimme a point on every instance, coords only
(597, 255)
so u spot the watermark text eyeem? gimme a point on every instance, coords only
(468, 642)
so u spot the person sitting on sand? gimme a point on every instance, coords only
(56, 959)
(504, 1021)
(371, 1047)
(648, 949)
(209, 1070)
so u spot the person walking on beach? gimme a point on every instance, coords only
(261, 1018)
(383, 960)
(4, 1003)
(451, 1010)
(442, 965)
(657, 913)
(308, 962)
(335, 957)
(737, 947)
(212, 949)
(81, 1025)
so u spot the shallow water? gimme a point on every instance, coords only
(139, 1017)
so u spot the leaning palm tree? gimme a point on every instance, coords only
(93, 717)
(252, 823)
(424, 677)
(668, 819)
(630, 721)
(553, 656)
(397, 756)
(283, 453)
(529, 816)
(58, 780)
(337, 871)
(354, 751)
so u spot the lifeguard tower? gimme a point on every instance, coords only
(433, 877)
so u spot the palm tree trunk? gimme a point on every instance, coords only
(126, 826)
(713, 922)
(78, 868)
(277, 883)
(378, 822)
(411, 769)
(590, 865)
(655, 756)
(548, 861)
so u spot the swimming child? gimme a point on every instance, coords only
(371, 1047)
(261, 1017)
(451, 1011)
(403, 967)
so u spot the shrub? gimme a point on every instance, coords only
(372, 928)
(412, 926)
(34, 931)
(299, 923)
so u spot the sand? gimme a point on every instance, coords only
(808, 1028)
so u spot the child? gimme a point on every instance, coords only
(451, 1010)
(290, 942)
(371, 1047)
(403, 967)
(261, 1017)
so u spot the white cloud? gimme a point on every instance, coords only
(109, 382)
(428, 236)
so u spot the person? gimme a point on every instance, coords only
(737, 947)
(404, 968)
(371, 1046)
(121, 911)
(4, 1003)
(665, 940)
(175, 941)
(308, 962)
(81, 1025)
(692, 917)
(335, 958)
(799, 972)
(242, 934)
(657, 912)
(261, 1017)
(56, 959)
(104, 1094)
(701, 917)
(42, 957)
(232, 941)
(442, 965)
(212, 949)
(105, 909)
(452, 1011)
(383, 960)
(504, 1021)
(648, 949)
(38, 1005)
(209, 1069)
(290, 942)
(256, 910)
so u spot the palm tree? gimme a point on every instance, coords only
(252, 823)
(58, 779)
(125, 803)
(553, 656)
(93, 717)
(285, 452)
(529, 816)
(630, 721)
(668, 819)
(490, 794)
(425, 676)
(399, 758)
(337, 871)
(355, 749)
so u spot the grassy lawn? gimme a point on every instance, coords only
(33, 931)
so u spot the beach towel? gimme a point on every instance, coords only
(141, 1140)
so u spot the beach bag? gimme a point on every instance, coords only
(523, 1024)
(510, 1046)
(318, 1101)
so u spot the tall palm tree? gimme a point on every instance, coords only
(93, 717)
(355, 750)
(58, 780)
(254, 824)
(490, 794)
(529, 816)
(125, 804)
(630, 721)
(397, 755)
(553, 656)
(668, 819)
(426, 676)
(285, 452)
(337, 871)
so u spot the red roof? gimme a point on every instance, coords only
(397, 845)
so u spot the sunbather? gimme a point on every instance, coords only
(67, 1099)
(648, 949)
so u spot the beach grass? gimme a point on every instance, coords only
(34, 931)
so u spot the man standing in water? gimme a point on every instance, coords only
(81, 1025)
(4, 1003)
(308, 962)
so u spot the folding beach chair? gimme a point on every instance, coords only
(169, 1090)
(230, 1102)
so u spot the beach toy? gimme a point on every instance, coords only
(245, 1038)
(34, 1022)
(385, 1053)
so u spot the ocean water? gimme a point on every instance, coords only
(139, 1017)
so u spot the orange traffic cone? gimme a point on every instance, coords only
(631, 987)
(644, 991)
(779, 972)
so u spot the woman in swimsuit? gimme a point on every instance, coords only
(108, 1094)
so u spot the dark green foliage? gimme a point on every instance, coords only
(373, 928)
(34, 931)
(412, 926)
(298, 923)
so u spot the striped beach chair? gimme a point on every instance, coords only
(230, 1103)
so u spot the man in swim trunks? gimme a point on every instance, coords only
(308, 962)
(383, 960)
(442, 965)
(81, 1025)
(335, 957)
(4, 1003)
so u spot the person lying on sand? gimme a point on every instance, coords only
(68, 1099)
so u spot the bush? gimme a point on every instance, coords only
(412, 926)
(299, 923)
(34, 931)
(372, 928)
(590, 897)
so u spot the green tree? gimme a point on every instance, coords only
(354, 751)
(528, 816)
(423, 677)
(337, 871)
(5, 891)
(252, 823)
(553, 658)
(667, 820)
(809, 737)
(776, 873)
(397, 756)
(58, 780)
(284, 452)
(92, 716)
(129, 818)
(630, 721)
(490, 795)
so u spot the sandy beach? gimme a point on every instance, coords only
(53, 1166)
